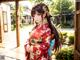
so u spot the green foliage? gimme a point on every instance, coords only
(13, 22)
(65, 54)
(37, 1)
(65, 25)
(63, 37)
(13, 27)
(13, 16)
(71, 40)
(65, 6)
(57, 6)
(61, 6)
(64, 34)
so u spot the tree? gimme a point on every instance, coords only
(13, 15)
(63, 8)
(59, 8)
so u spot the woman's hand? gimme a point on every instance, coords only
(28, 48)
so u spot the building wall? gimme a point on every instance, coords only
(7, 20)
(4, 19)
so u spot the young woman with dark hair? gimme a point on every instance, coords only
(43, 37)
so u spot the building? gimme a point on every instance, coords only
(5, 19)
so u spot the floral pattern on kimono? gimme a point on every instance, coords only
(39, 43)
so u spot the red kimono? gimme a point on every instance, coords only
(38, 43)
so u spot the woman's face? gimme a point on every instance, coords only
(37, 17)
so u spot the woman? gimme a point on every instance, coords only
(38, 45)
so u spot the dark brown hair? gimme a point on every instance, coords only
(39, 8)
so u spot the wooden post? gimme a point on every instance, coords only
(1, 26)
(77, 31)
(17, 25)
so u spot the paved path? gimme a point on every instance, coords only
(9, 50)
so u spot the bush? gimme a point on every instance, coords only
(66, 54)
(63, 37)
(13, 27)
(71, 40)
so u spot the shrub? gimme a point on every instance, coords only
(63, 37)
(65, 54)
(13, 27)
(71, 40)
